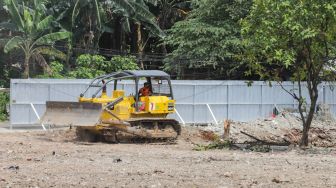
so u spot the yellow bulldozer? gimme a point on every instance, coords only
(140, 115)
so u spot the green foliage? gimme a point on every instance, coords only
(56, 71)
(91, 61)
(85, 73)
(91, 66)
(119, 63)
(33, 25)
(290, 37)
(4, 101)
(210, 36)
(217, 144)
(260, 148)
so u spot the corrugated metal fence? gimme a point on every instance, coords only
(197, 101)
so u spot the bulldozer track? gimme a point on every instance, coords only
(127, 138)
(175, 124)
(164, 131)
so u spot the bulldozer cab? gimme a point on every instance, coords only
(159, 85)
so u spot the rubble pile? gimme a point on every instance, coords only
(284, 129)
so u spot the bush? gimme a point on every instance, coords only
(91, 66)
(4, 101)
(85, 72)
(119, 63)
(57, 71)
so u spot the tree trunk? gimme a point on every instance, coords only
(69, 54)
(304, 138)
(164, 49)
(306, 124)
(139, 45)
(122, 42)
(26, 67)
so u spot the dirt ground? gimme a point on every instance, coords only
(56, 159)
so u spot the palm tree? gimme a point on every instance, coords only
(33, 26)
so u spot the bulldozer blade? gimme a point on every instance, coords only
(71, 113)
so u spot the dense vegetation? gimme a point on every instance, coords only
(178, 36)
(210, 39)
(191, 39)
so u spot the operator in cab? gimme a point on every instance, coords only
(145, 90)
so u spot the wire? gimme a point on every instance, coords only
(112, 52)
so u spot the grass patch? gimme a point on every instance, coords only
(4, 101)
(217, 144)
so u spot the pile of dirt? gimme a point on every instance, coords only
(284, 129)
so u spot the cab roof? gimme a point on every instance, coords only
(142, 73)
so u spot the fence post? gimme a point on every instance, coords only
(178, 114)
(227, 101)
(212, 114)
(324, 92)
(261, 101)
(38, 117)
(194, 95)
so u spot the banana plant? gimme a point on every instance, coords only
(34, 37)
(95, 17)
(143, 19)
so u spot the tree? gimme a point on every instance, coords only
(33, 26)
(168, 12)
(210, 36)
(295, 38)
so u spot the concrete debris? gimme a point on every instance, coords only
(14, 167)
(158, 172)
(275, 180)
(117, 160)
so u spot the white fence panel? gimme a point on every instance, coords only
(195, 98)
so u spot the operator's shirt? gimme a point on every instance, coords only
(145, 91)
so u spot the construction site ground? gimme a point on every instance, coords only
(56, 159)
